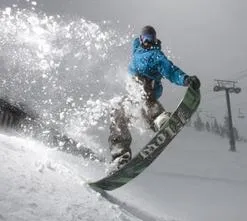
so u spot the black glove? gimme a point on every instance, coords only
(192, 81)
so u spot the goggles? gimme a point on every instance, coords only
(147, 38)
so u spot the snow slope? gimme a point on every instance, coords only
(38, 183)
(196, 179)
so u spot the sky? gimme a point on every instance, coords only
(207, 38)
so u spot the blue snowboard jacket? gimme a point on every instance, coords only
(153, 64)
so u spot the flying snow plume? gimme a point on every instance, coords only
(67, 70)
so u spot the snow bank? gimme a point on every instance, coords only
(38, 183)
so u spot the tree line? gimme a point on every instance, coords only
(216, 128)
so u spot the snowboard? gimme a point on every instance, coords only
(155, 146)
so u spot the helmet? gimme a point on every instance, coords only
(148, 34)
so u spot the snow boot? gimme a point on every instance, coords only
(121, 154)
(161, 120)
(122, 160)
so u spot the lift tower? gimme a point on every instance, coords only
(228, 87)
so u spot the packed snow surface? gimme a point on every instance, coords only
(196, 179)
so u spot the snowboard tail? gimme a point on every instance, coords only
(156, 145)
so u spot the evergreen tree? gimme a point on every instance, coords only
(236, 134)
(222, 131)
(188, 124)
(226, 126)
(208, 128)
(215, 127)
(198, 124)
(226, 129)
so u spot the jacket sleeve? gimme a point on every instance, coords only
(168, 70)
(135, 45)
(131, 68)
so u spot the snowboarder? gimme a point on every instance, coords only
(148, 66)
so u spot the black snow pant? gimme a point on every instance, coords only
(120, 136)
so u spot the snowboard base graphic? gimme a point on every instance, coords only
(156, 145)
